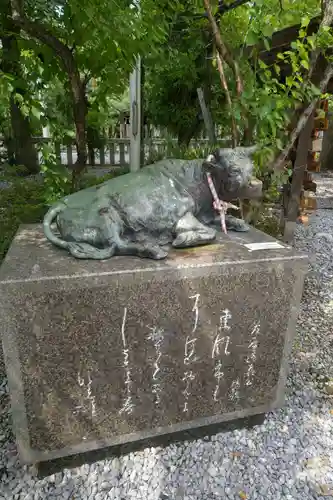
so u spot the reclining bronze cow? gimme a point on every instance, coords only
(142, 213)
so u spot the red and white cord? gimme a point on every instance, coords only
(219, 205)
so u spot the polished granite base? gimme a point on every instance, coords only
(102, 354)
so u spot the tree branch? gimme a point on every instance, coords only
(222, 8)
(36, 30)
(222, 48)
(228, 97)
(41, 33)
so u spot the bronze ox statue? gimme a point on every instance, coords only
(142, 213)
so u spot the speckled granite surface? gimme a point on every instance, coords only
(102, 353)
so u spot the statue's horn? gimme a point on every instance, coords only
(210, 158)
(251, 149)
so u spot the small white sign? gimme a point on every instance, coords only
(265, 245)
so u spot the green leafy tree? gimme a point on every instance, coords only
(90, 39)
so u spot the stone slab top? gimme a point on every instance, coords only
(32, 257)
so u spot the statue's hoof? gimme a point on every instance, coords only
(160, 254)
(235, 224)
(241, 228)
(194, 238)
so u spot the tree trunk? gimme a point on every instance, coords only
(22, 150)
(21, 141)
(224, 55)
(91, 155)
(222, 48)
(234, 131)
(79, 114)
(207, 116)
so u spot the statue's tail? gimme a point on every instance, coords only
(79, 250)
(48, 220)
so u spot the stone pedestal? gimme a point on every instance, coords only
(104, 353)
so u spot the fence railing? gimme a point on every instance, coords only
(116, 152)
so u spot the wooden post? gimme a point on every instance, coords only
(58, 152)
(122, 125)
(102, 156)
(142, 117)
(111, 152)
(326, 155)
(122, 160)
(70, 154)
(207, 116)
(300, 165)
(135, 117)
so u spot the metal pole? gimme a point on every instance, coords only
(135, 117)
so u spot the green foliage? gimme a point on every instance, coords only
(264, 18)
(173, 75)
(171, 90)
(21, 203)
(272, 103)
(268, 223)
(56, 178)
(173, 150)
(186, 64)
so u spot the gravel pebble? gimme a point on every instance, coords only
(289, 457)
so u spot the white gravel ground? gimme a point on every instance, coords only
(289, 457)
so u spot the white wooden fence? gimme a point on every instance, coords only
(116, 152)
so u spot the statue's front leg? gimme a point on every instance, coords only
(189, 232)
(232, 223)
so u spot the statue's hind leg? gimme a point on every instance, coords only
(82, 250)
(190, 232)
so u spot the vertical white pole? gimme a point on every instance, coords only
(46, 132)
(135, 117)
